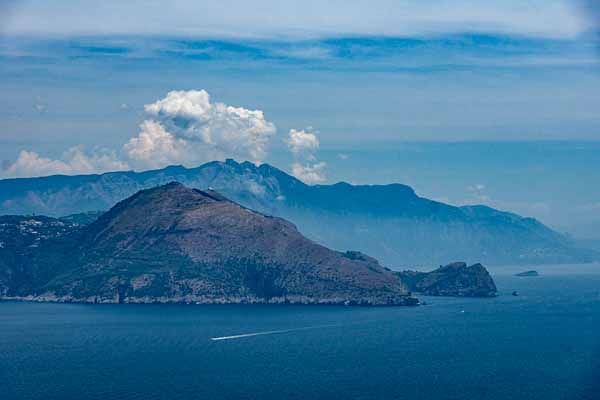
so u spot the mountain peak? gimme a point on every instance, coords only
(178, 191)
(157, 206)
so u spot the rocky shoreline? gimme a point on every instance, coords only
(204, 300)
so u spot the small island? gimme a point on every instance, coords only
(527, 273)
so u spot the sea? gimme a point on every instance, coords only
(542, 343)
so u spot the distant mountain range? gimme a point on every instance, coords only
(176, 244)
(389, 222)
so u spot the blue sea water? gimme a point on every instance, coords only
(542, 344)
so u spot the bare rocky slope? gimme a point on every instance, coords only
(175, 244)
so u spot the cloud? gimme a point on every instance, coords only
(182, 128)
(476, 188)
(590, 11)
(303, 144)
(185, 127)
(302, 51)
(40, 105)
(310, 18)
(594, 206)
(256, 188)
(73, 161)
(310, 173)
(478, 195)
(154, 147)
(302, 141)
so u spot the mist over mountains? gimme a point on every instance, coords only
(389, 222)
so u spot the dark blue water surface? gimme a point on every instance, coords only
(542, 344)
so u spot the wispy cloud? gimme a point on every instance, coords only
(477, 195)
(370, 53)
(310, 18)
(590, 12)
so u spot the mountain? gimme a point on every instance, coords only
(175, 244)
(390, 222)
(455, 279)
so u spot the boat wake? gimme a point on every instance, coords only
(245, 335)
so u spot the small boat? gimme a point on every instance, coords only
(515, 293)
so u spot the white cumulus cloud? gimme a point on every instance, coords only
(310, 173)
(185, 127)
(303, 144)
(154, 147)
(302, 141)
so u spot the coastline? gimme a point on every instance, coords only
(402, 301)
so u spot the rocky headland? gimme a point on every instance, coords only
(455, 279)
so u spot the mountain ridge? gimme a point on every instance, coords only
(389, 221)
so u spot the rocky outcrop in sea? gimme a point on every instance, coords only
(455, 279)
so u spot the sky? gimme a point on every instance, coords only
(362, 91)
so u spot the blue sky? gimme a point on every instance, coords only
(367, 81)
